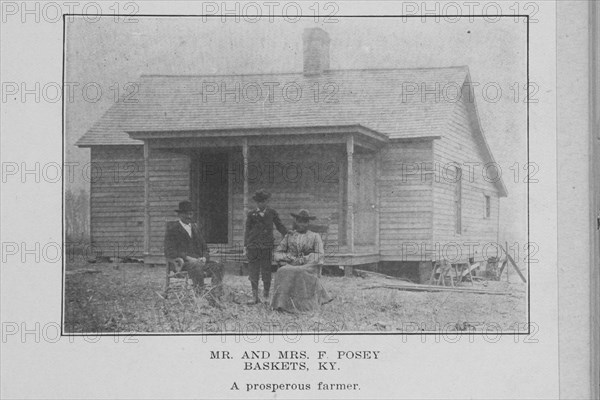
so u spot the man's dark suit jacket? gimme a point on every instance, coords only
(179, 244)
(259, 229)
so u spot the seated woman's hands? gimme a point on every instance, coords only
(193, 260)
(311, 258)
(297, 261)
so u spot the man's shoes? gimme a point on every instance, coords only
(214, 301)
(255, 299)
(267, 288)
(201, 291)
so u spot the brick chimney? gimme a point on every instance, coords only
(316, 51)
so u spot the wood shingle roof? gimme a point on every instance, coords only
(396, 102)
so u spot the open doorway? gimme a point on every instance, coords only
(210, 195)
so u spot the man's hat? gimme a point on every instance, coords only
(261, 195)
(303, 214)
(185, 206)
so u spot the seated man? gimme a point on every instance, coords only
(297, 284)
(186, 246)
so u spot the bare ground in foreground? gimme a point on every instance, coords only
(127, 299)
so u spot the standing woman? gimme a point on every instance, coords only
(297, 284)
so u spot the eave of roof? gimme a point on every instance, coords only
(412, 138)
(503, 191)
(270, 131)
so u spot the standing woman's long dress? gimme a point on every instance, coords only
(297, 284)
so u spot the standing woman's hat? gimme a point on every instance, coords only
(261, 195)
(185, 206)
(303, 214)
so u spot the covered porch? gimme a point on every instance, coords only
(331, 171)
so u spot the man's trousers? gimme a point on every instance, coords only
(259, 265)
(197, 270)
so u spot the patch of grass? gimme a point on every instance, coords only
(128, 299)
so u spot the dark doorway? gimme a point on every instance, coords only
(211, 191)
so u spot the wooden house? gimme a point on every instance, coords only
(381, 155)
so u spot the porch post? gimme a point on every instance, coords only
(245, 173)
(377, 200)
(146, 198)
(350, 193)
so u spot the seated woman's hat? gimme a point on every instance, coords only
(303, 214)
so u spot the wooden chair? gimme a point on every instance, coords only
(323, 230)
(445, 270)
(174, 272)
(181, 278)
(466, 270)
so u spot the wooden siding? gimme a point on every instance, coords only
(117, 200)
(405, 200)
(414, 205)
(117, 197)
(298, 177)
(460, 145)
(169, 184)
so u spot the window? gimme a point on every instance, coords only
(487, 212)
(458, 201)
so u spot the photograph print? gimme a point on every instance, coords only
(356, 175)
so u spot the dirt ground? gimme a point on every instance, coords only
(126, 298)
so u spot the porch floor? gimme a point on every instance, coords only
(333, 255)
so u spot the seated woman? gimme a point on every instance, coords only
(297, 283)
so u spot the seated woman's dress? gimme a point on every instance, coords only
(297, 284)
